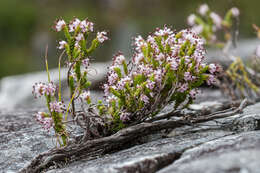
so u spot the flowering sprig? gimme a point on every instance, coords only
(166, 67)
(77, 34)
(207, 23)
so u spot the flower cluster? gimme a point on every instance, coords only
(207, 22)
(166, 67)
(43, 89)
(45, 120)
(76, 33)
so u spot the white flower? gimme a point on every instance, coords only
(235, 12)
(60, 25)
(191, 19)
(102, 36)
(203, 9)
(62, 44)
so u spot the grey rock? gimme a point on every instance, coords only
(234, 146)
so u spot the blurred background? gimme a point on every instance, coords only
(25, 25)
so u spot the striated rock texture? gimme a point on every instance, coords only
(227, 145)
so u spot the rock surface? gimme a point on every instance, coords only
(233, 146)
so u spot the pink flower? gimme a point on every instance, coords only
(150, 84)
(145, 99)
(40, 116)
(74, 24)
(235, 12)
(79, 37)
(86, 26)
(163, 32)
(85, 63)
(57, 107)
(112, 78)
(174, 65)
(62, 44)
(211, 80)
(138, 58)
(191, 19)
(60, 24)
(216, 19)
(47, 123)
(106, 89)
(119, 59)
(203, 9)
(50, 89)
(85, 95)
(193, 93)
(125, 116)
(140, 43)
(160, 57)
(257, 52)
(197, 29)
(183, 87)
(188, 76)
(102, 36)
(212, 68)
(110, 99)
(40, 89)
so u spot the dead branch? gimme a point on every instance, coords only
(125, 138)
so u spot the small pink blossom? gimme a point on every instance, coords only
(112, 78)
(235, 12)
(191, 19)
(138, 58)
(211, 80)
(188, 76)
(212, 68)
(197, 29)
(150, 84)
(85, 95)
(110, 99)
(40, 89)
(203, 9)
(102, 36)
(85, 63)
(257, 52)
(145, 99)
(60, 24)
(125, 116)
(119, 59)
(79, 37)
(216, 19)
(86, 26)
(163, 32)
(193, 93)
(183, 87)
(47, 122)
(57, 107)
(74, 24)
(174, 65)
(62, 44)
